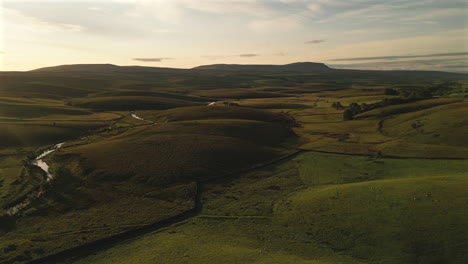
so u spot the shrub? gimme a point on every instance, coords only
(337, 105)
(355, 108)
(347, 114)
(389, 91)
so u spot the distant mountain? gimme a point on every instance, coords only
(294, 67)
(304, 67)
(103, 68)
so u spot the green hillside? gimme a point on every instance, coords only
(416, 220)
(126, 103)
(295, 163)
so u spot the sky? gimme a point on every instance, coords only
(354, 34)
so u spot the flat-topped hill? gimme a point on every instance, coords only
(294, 67)
(102, 68)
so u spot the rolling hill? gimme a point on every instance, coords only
(270, 173)
(111, 68)
(293, 67)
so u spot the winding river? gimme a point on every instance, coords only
(44, 167)
(41, 164)
(132, 114)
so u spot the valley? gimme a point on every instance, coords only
(297, 163)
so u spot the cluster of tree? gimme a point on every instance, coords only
(390, 91)
(416, 94)
(337, 105)
(354, 109)
(405, 96)
(439, 89)
(445, 88)
(413, 93)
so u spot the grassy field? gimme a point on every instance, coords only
(32, 135)
(126, 177)
(235, 226)
(158, 94)
(429, 128)
(408, 107)
(14, 183)
(238, 93)
(386, 187)
(217, 112)
(411, 220)
(442, 125)
(299, 211)
(168, 152)
(251, 130)
(324, 168)
(18, 110)
(122, 103)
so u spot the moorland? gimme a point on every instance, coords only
(297, 163)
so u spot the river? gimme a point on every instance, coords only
(132, 114)
(44, 167)
(39, 162)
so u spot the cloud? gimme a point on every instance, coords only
(243, 55)
(314, 7)
(315, 41)
(215, 57)
(251, 7)
(403, 57)
(164, 31)
(377, 31)
(94, 8)
(152, 59)
(464, 66)
(173, 11)
(433, 43)
(279, 24)
(18, 20)
(248, 55)
(428, 17)
(375, 11)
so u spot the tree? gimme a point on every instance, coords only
(347, 114)
(390, 91)
(337, 105)
(355, 108)
(365, 107)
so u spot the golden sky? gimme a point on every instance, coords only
(364, 34)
